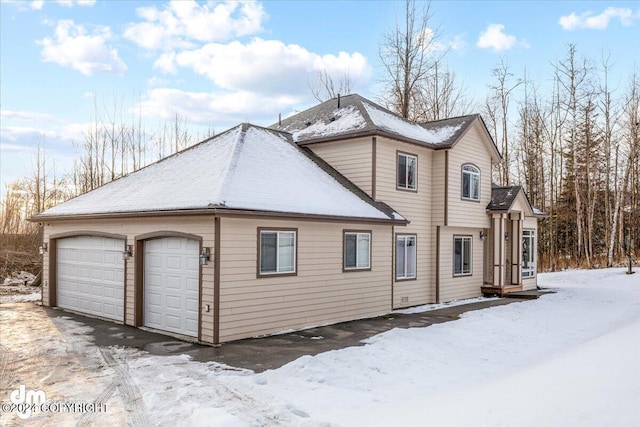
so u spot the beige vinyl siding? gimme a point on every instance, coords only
(460, 287)
(319, 293)
(132, 227)
(532, 282)
(470, 149)
(352, 158)
(438, 187)
(416, 207)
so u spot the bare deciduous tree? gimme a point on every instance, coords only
(406, 55)
(324, 87)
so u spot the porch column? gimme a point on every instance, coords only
(516, 247)
(498, 228)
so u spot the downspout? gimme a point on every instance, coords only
(438, 264)
(216, 282)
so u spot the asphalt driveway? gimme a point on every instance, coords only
(271, 352)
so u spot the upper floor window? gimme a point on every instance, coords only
(407, 171)
(357, 250)
(277, 252)
(528, 253)
(470, 182)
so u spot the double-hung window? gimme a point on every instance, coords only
(462, 254)
(405, 257)
(528, 253)
(407, 172)
(277, 252)
(357, 250)
(470, 182)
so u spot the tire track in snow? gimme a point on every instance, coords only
(89, 417)
(259, 412)
(129, 393)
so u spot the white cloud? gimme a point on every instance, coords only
(25, 116)
(265, 66)
(38, 4)
(457, 43)
(74, 47)
(588, 20)
(215, 108)
(15, 133)
(495, 39)
(182, 22)
(71, 3)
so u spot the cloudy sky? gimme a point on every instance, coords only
(222, 63)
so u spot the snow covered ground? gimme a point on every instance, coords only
(568, 359)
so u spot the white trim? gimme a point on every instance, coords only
(530, 271)
(406, 171)
(357, 266)
(469, 242)
(471, 174)
(278, 270)
(407, 238)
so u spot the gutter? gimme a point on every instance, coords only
(218, 211)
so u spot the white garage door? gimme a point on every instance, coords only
(171, 281)
(90, 276)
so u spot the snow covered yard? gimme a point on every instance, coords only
(568, 359)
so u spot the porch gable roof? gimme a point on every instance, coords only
(504, 198)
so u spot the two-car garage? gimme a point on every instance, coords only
(90, 279)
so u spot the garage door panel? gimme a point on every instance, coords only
(171, 284)
(192, 304)
(174, 282)
(193, 263)
(174, 302)
(90, 276)
(192, 325)
(174, 263)
(175, 243)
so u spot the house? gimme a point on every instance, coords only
(340, 212)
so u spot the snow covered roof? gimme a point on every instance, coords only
(503, 198)
(353, 115)
(245, 168)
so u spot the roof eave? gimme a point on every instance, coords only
(216, 210)
(495, 153)
(370, 132)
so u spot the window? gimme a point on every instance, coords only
(528, 253)
(277, 252)
(462, 255)
(405, 257)
(470, 182)
(357, 250)
(407, 171)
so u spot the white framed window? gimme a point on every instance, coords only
(407, 171)
(357, 250)
(470, 182)
(462, 255)
(528, 253)
(405, 257)
(277, 252)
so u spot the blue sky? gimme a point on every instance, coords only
(219, 64)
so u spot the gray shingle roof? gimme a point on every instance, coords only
(353, 115)
(502, 199)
